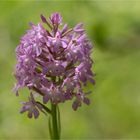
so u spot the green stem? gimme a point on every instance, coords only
(55, 128)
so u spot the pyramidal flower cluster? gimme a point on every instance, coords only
(53, 62)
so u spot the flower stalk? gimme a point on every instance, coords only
(54, 119)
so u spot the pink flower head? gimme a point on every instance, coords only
(54, 63)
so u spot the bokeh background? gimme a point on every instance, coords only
(114, 28)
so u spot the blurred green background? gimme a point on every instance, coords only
(114, 28)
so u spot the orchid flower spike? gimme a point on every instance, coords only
(54, 63)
